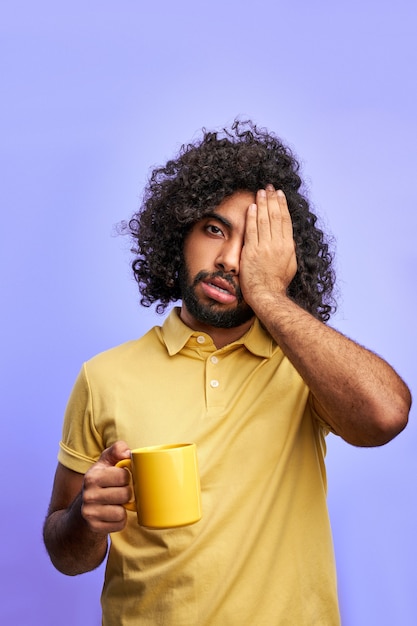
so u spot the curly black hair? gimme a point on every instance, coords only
(179, 194)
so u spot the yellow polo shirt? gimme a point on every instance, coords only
(262, 553)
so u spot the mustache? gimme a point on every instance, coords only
(203, 276)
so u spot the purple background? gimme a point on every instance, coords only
(96, 92)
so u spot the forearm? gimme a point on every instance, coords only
(71, 544)
(361, 396)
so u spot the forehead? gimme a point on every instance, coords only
(234, 207)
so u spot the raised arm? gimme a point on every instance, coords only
(84, 509)
(357, 393)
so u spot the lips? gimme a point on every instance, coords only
(219, 289)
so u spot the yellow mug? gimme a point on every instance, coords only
(166, 485)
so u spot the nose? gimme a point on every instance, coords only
(228, 258)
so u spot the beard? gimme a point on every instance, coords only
(213, 314)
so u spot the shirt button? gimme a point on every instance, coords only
(214, 383)
(201, 339)
(214, 359)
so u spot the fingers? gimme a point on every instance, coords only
(264, 202)
(268, 219)
(273, 216)
(284, 216)
(108, 478)
(104, 521)
(118, 451)
(106, 489)
(251, 230)
(258, 222)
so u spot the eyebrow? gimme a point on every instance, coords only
(219, 218)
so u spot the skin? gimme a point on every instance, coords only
(357, 393)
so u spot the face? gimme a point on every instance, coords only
(209, 279)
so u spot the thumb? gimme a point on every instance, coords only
(116, 452)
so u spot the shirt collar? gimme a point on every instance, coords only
(176, 334)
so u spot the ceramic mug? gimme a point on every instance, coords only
(166, 485)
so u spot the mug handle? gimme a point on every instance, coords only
(127, 464)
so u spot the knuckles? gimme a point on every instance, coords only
(104, 476)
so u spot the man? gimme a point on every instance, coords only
(249, 370)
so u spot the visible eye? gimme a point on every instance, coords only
(212, 229)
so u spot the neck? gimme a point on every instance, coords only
(221, 336)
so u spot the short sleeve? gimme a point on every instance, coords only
(81, 444)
